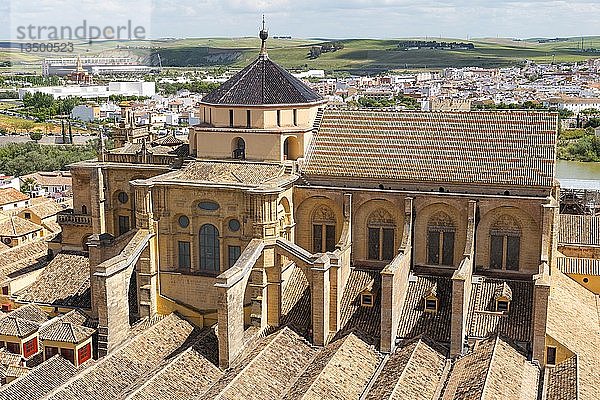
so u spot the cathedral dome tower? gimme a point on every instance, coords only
(262, 113)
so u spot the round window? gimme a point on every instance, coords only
(184, 221)
(122, 197)
(585, 280)
(208, 205)
(234, 225)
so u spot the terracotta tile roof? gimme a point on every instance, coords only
(19, 327)
(579, 229)
(353, 316)
(269, 372)
(136, 149)
(53, 226)
(511, 375)
(55, 178)
(78, 317)
(262, 83)
(415, 321)
(65, 281)
(296, 307)
(11, 195)
(581, 266)
(39, 381)
(253, 349)
(492, 370)
(342, 370)
(246, 173)
(499, 148)
(187, 376)
(16, 226)
(66, 332)
(23, 258)
(484, 321)
(16, 371)
(30, 312)
(22, 321)
(413, 371)
(573, 321)
(168, 140)
(8, 360)
(127, 366)
(562, 380)
(45, 207)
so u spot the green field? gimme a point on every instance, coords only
(357, 56)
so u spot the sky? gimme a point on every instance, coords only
(312, 18)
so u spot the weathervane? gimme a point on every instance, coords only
(264, 34)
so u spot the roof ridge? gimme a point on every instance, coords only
(160, 369)
(487, 373)
(401, 376)
(254, 360)
(70, 327)
(322, 351)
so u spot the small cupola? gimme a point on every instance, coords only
(503, 297)
(431, 299)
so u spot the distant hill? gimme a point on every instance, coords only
(357, 55)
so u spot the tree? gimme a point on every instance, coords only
(27, 185)
(592, 123)
(565, 113)
(36, 136)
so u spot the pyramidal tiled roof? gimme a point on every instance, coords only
(262, 83)
(15, 326)
(168, 140)
(66, 332)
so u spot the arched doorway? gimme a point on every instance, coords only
(210, 250)
(238, 149)
(291, 148)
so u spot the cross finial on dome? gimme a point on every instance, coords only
(264, 34)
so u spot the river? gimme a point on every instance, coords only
(578, 170)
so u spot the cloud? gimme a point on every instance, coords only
(318, 18)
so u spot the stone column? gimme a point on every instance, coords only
(147, 280)
(394, 283)
(334, 295)
(461, 287)
(97, 200)
(541, 293)
(231, 320)
(274, 292)
(320, 296)
(457, 321)
(388, 337)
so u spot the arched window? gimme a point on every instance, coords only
(505, 243)
(239, 149)
(323, 230)
(209, 249)
(381, 228)
(440, 239)
(84, 209)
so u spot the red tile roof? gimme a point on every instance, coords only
(499, 148)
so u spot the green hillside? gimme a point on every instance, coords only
(357, 56)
